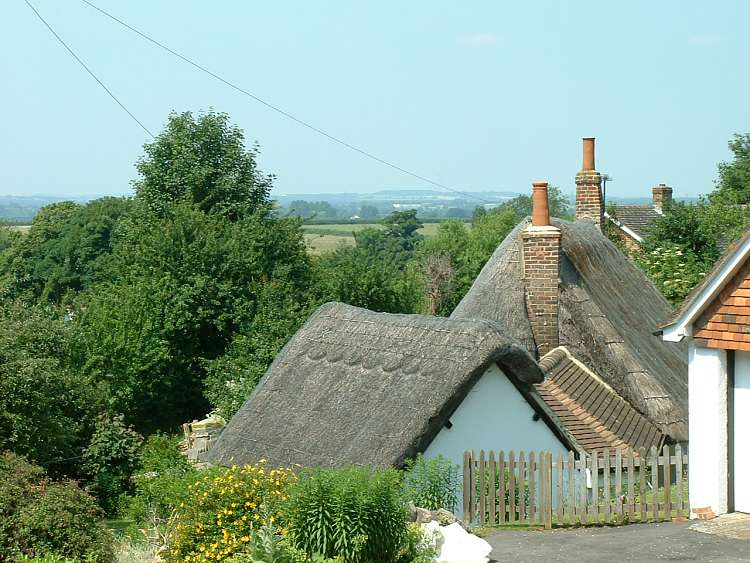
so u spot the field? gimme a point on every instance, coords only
(322, 238)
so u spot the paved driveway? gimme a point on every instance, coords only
(668, 541)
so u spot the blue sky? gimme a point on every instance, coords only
(475, 95)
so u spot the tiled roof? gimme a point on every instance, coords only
(590, 410)
(637, 218)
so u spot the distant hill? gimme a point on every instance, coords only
(22, 209)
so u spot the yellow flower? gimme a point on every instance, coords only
(245, 538)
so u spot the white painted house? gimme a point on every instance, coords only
(715, 321)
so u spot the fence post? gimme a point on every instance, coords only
(548, 488)
(468, 486)
(482, 489)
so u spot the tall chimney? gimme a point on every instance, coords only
(541, 271)
(589, 204)
(662, 196)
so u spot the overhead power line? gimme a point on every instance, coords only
(85, 66)
(276, 108)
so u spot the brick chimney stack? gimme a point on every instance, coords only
(541, 271)
(662, 196)
(589, 204)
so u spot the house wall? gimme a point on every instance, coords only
(493, 416)
(707, 381)
(724, 323)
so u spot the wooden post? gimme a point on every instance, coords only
(678, 475)
(643, 487)
(512, 487)
(584, 489)
(501, 489)
(467, 487)
(630, 511)
(595, 486)
(667, 484)
(532, 488)
(560, 492)
(607, 489)
(655, 483)
(492, 488)
(618, 484)
(482, 488)
(572, 487)
(548, 490)
(521, 487)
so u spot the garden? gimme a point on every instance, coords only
(171, 511)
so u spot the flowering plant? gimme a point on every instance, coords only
(224, 509)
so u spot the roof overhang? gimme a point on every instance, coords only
(682, 325)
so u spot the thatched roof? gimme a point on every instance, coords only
(358, 387)
(608, 312)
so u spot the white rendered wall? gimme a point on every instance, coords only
(493, 416)
(707, 380)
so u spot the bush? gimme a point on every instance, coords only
(162, 483)
(224, 509)
(432, 483)
(64, 520)
(352, 513)
(40, 518)
(110, 460)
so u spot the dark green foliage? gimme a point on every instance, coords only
(66, 249)
(64, 520)
(110, 459)
(353, 513)
(233, 376)
(734, 177)
(356, 277)
(202, 161)
(467, 249)
(433, 483)
(394, 244)
(39, 517)
(184, 286)
(162, 481)
(44, 407)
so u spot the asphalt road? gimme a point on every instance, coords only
(668, 541)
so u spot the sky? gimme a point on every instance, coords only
(474, 95)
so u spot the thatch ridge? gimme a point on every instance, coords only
(354, 386)
(608, 311)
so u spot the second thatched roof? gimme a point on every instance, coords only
(358, 387)
(608, 312)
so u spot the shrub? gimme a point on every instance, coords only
(432, 483)
(162, 483)
(110, 459)
(44, 519)
(64, 520)
(224, 509)
(353, 513)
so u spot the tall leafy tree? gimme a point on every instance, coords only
(202, 160)
(734, 176)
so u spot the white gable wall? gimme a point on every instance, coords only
(707, 419)
(493, 416)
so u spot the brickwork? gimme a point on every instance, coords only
(725, 324)
(662, 195)
(541, 269)
(589, 196)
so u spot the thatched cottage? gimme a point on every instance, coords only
(353, 386)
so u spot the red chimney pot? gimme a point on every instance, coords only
(588, 153)
(539, 204)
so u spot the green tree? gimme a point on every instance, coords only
(45, 408)
(202, 161)
(734, 177)
(182, 286)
